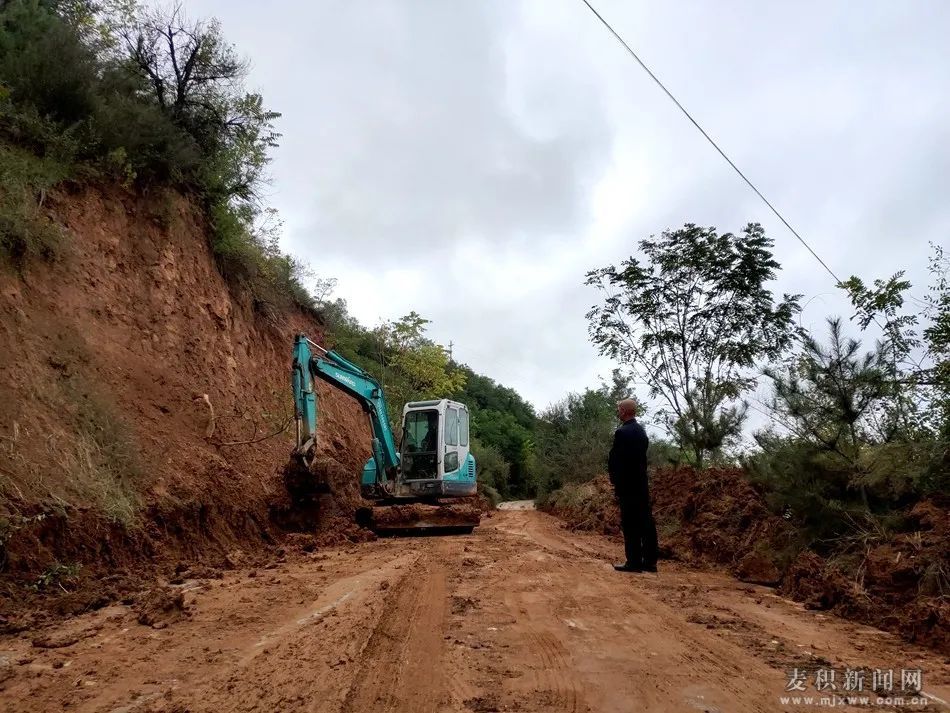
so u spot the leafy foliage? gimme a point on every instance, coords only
(690, 319)
(493, 470)
(141, 96)
(409, 365)
(919, 357)
(574, 437)
(504, 422)
(414, 368)
(844, 460)
(836, 397)
(937, 334)
(26, 232)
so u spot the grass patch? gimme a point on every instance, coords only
(26, 231)
(72, 447)
(75, 450)
(103, 466)
(94, 471)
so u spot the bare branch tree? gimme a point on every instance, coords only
(185, 62)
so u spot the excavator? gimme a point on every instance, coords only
(425, 483)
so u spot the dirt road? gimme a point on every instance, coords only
(520, 616)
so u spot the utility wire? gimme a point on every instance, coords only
(711, 141)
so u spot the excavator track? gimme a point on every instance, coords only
(444, 517)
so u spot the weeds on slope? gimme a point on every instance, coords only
(91, 91)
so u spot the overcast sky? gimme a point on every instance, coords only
(470, 160)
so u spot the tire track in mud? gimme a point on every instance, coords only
(305, 662)
(510, 651)
(400, 670)
(551, 680)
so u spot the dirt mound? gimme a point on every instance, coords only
(135, 388)
(808, 581)
(587, 506)
(899, 583)
(716, 517)
(160, 606)
(324, 500)
(705, 517)
(758, 567)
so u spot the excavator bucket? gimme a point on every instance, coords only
(304, 480)
(444, 518)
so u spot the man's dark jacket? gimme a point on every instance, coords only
(627, 463)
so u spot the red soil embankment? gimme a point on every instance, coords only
(715, 517)
(130, 374)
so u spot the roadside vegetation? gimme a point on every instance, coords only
(858, 426)
(844, 497)
(119, 93)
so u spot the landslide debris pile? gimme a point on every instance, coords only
(135, 384)
(899, 582)
(330, 514)
(716, 517)
(711, 517)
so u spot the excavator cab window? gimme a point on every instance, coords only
(463, 427)
(451, 426)
(420, 444)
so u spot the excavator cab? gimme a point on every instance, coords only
(435, 455)
(435, 459)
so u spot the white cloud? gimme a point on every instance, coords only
(472, 160)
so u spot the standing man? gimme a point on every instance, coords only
(627, 467)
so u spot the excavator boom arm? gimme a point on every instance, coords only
(310, 361)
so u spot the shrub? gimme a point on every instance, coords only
(82, 101)
(44, 64)
(491, 468)
(26, 231)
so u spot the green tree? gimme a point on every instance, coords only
(919, 357)
(409, 365)
(145, 97)
(501, 430)
(835, 397)
(196, 77)
(574, 436)
(416, 367)
(484, 394)
(690, 318)
(937, 334)
(505, 422)
(839, 459)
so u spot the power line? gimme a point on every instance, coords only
(711, 141)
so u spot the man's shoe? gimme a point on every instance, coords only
(627, 568)
(649, 568)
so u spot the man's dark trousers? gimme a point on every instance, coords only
(627, 466)
(639, 529)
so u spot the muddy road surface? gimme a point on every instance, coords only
(519, 616)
